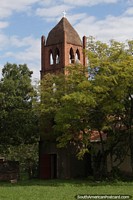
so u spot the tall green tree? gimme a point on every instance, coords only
(111, 75)
(18, 121)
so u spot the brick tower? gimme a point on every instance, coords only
(62, 48)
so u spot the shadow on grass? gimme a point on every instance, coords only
(71, 182)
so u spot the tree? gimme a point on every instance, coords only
(26, 155)
(19, 133)
(64, 107)
(111, 72)
(18, 121)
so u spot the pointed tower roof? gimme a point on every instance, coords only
(56, 35)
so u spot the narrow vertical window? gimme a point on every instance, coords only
(77, 57)
(51, 58)
(57, 56)
(71, 56)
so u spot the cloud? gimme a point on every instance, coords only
(54, 11)
(129, 11)
(22, 50)
(112, 27)
(48, 3)
(50, 8)
(3, 41)
(130, 2)
(3, 24)
(89, 2)
(31, 52)
(76, 17)
(5, 12)
(7, 7)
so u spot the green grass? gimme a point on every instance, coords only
(61, 189)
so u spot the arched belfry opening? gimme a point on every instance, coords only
(77, 57)
(57, 56)
(51, 59)
(62, 47)
(71, 56)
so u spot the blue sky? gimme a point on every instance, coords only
(23, 22)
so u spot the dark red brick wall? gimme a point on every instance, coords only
(64, 50)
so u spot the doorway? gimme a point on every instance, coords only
(48, 166)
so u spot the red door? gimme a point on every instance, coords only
(45, 166)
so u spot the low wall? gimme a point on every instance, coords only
(9, 170)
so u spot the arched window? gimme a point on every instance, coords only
(57, 56)
(77, 57)
(51, 58)
(71, 56)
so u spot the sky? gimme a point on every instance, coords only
(23, 22)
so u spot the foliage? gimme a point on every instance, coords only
(18, 121)
(111, 75)
(61, 94)
(27, 155)
(113, 82)
(72, 119)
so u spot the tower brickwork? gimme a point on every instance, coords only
(63, 47)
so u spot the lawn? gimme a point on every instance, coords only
(61, 189)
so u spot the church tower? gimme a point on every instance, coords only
(63, 47)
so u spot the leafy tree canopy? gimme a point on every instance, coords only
(18, 121)
(65, 105)
(111, 75)
(111, 72)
